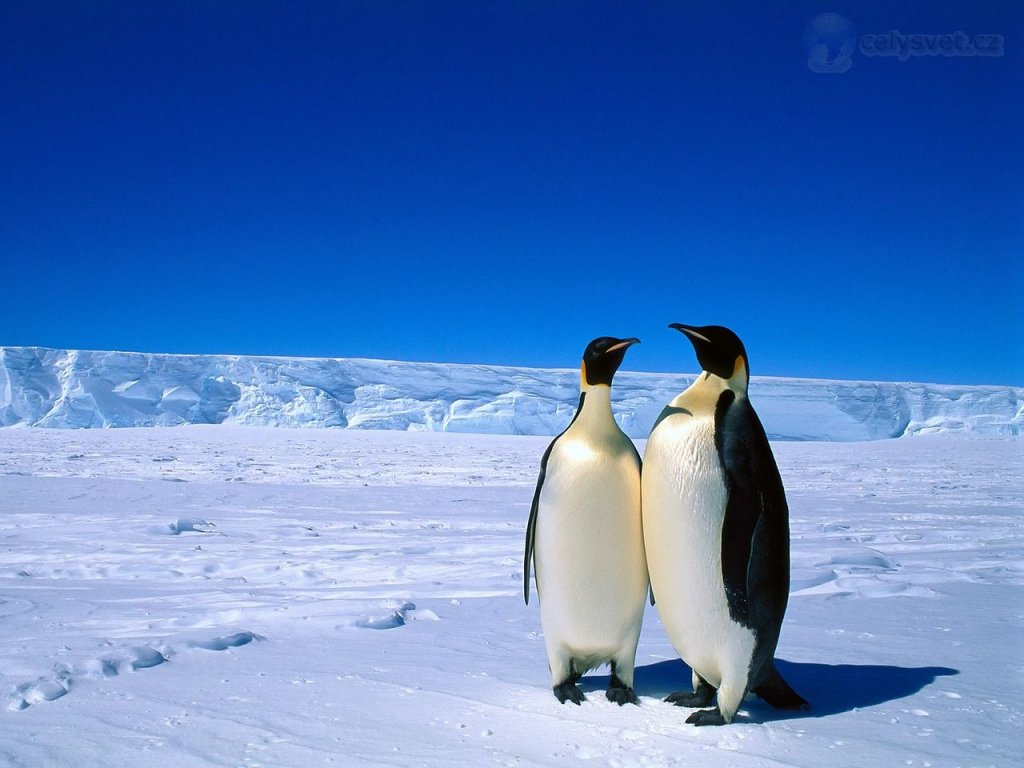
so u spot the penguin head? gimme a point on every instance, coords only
(602, 358)
(719, 352)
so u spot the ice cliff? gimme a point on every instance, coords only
(71, 388)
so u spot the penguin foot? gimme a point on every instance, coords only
(622, 696)
(690, 698)
(619, 692)
(569, 691)
(702, 696)
(706, 717)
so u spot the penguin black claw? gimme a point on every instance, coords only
(619, 692)
(701, 696)
(569, 691)
(622, 696)
(706, 717)
(689, 699)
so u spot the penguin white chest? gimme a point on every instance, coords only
(684, 501)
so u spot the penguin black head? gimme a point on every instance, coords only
(719, 350)
(602, 358)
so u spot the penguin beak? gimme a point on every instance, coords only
(624, 344)
(691, 332)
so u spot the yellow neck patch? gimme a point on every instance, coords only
(740, 377)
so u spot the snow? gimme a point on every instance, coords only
(225, 596)
(72, 388)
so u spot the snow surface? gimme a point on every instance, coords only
(219, 596)
(68, 388)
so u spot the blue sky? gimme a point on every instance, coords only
(501, 182)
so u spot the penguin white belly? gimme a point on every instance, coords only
(684, 501)
(589, 555)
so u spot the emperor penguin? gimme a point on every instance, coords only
(584, 539)
(716, 531)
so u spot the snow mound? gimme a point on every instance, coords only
(75, 388)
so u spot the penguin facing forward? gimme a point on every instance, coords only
(585, 541)
(716, 530)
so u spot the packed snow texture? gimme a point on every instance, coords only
(223, 596)
(73, 389)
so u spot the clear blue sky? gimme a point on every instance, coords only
(499, 182)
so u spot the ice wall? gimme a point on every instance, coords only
(76, 388)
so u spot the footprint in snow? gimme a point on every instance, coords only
(145, 657)
(397, 618)
(28, 694)
(861, 559)
(223, 643)
(137, 658)
(184, 525)
(858, 572)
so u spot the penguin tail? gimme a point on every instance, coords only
(777, 692)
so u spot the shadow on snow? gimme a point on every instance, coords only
(830, 688)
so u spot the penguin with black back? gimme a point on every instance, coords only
(584, 539)
(716, 533)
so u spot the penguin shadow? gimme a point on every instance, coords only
(831, 689)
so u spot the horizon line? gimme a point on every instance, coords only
(3, 347)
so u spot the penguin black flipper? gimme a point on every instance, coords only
(755, 538)
(531, 525)
(736, 443)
